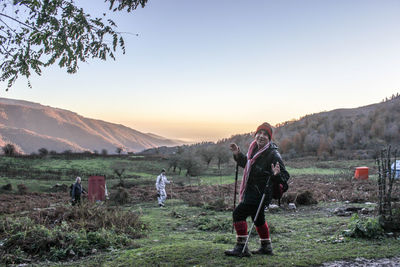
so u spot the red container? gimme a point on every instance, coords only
(361, 173)
(96, 188)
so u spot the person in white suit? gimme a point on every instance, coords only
(160, 186)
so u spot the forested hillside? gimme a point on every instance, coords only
(355, 132)
(338, 134)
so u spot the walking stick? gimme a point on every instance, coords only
(255, 218)
(170, 185)
(234, 196)
(171, 188)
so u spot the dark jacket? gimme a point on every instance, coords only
(260, 172)
(77, 190)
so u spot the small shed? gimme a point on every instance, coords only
(361, 173)
(97, 188)
(396, 169)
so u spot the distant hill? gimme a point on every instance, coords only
(341, 133)
(357, 132)
(31, 126)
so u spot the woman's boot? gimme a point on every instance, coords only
(237, 250)
(266, 247)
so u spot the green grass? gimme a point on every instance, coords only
(181, 235)
(32, 185)
(177, 237)
(335, 173)
(307, 237)
(64, 168)
(214, 180)
(313, 171)
(40, 174)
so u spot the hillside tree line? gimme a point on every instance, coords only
(342, 133)
(351, 133)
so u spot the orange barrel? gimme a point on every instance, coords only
(361, 173)
(96, 188)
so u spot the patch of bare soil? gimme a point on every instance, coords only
(302, 190)
(14, 203)
(361, 262)
(194, 195)
(324, 189)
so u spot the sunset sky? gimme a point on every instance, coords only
(205, 70)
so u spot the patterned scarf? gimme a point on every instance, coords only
(250, 161)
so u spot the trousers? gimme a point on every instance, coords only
(162, 196)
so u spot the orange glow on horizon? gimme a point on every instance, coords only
(191, 131)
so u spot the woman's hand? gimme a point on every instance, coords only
(276, 169)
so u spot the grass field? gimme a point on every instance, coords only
(183, 235)
(40, 174)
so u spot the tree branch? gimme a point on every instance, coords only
(20, 22)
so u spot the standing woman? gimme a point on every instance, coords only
(261, 164)
(77, 191)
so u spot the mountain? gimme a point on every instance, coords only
(341, 133)
(31, 126)
(356, 132)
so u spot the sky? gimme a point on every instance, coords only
(206, 70)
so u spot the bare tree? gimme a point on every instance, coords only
(386, 178)
(119, 150)
(207, 153)
(173, 161)
(223, 155)
(119, 168)
(190, 163)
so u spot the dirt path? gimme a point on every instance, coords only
(361, 262)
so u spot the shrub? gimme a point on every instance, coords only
(43, 151)
(121, 196)
(22, 189)
(306, 198)
(59, 234)
(92, 217)
(364, 228)
(58, 243)
(7, 187)
(9, 150)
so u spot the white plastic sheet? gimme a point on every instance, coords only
(396, 167)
